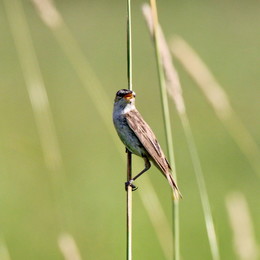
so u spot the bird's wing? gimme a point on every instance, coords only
(146, 136)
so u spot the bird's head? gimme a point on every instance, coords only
(125, 96)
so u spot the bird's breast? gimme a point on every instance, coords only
(128, 136)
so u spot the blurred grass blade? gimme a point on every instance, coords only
(175, 91)
(167, 121)
(77, 59)
(4, 253)
(101, 102)
(34, 83)
(39, 102)
(217, 98)
(157, 216)
(68, 247)
(244, 242)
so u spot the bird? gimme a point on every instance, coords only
(139, 139)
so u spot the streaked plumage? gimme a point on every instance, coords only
(138, 137)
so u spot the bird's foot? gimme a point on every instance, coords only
(130, 183)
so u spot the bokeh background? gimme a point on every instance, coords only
(61, 171)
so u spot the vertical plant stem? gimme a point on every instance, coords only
(129, 207)
(96, 92)
(213, 243)
(167, 123)
(175, 92)
(129, 45)
(129, 154)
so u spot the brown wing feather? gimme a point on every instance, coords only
(146, 136)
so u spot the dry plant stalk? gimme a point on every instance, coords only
(171, 75)
(175, 92)
(167, 122)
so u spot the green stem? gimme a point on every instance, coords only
(202, 189)
(129, 154)
(129, 46)
(167, 123)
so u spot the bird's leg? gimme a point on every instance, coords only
(147, 167)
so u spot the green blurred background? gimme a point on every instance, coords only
(85, 195)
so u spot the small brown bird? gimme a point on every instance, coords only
(139, 138)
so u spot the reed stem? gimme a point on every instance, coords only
(167, 123)
(129, 207)
(129, 154)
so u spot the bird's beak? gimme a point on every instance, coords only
(129, 96)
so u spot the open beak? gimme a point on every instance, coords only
(129, 96)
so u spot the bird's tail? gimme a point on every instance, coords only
(176, 193)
